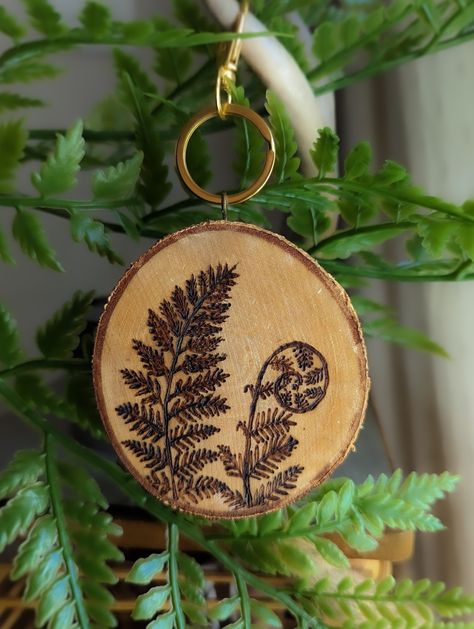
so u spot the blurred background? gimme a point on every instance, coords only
(421, 115)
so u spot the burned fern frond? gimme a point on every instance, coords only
(185, 334)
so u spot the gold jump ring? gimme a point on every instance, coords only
(200, 118)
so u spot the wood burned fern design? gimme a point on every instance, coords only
(177, 386)
(294, 379)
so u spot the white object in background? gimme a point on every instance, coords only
(280, 73)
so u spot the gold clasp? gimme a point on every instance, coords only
(228, 69)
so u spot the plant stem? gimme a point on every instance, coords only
(395, 274)
(54, 485)
(73, 364)
(173, 549)
(138, 495)
(385, 66)
(42, 203)
(245, 610)
(429, 202)
(340, 58)
(367, 229)
(89, 135)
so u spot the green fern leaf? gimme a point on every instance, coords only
(23, 471)
(154, 172)
(325, 151)
(249, 147)
(38, 395)
(292, 42)
(10, 349)
(357, 163)
(86, 229)
(58, 173)
(436, 233)
(144, 570)
(10, 26)
(95, 19)
(41, 540)
(149, 604)
(29, 233)
(44, 17)
(189, 14)
(388, 329)
(18, 514)
(10, 101)
(13, 136)
(118, 182)
(173, 65)
(263, 615)
(309, 220)
(224, 609)
(127, 64)
(166, 621)
(286, 164)
(331, 552)
(5, 250)
(345, 243)
(386, 604)
(59, 337)
(80, 395)
(27, 70)
(325, 41)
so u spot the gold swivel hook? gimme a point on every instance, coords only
(228, 68)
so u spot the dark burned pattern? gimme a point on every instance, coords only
(177, 403)
(293, 379)
(176, 387)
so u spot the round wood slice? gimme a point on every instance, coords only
(230, 371)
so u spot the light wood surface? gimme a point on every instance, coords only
(230, 371)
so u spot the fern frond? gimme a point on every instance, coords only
(411, 604)
(160, 604)
(58, 546)
(58, 173)
(59, 337)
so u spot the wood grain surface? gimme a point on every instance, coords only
(230, 371)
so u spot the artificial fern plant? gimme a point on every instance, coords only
(52, 505)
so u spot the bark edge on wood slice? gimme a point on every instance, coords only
(230, 371)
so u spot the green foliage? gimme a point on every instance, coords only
(59, 337)
(117, 182)
(10, 101)
(286, 164)
(10, 350)
(12, 140)
(95, 18)
(86, 229)
(26, 70)
(66, 545)
(381, 37)
(325, 151)
(154, 172)
(160, 604)
(386, 603)
(30, 235)
(358, 513)
(58, 173)
(248, 161)
(9, 25)
(56, 510)
(44, 17)
(173, 65)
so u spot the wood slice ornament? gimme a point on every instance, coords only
(230, 369)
